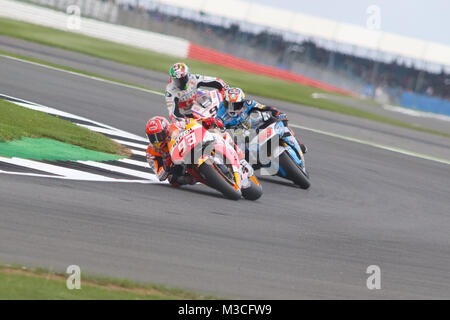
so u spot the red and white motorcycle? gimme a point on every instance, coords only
(210, 158)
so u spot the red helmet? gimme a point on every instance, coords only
(158, 131)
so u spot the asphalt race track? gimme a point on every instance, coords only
(366, 206)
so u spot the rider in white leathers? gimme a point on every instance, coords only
(182, 88)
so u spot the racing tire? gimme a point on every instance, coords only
(216, 181)
(254, 192)
(293, 171)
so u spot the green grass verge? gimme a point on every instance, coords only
(17, 122)
(17, 282)
(52, 150)
(249, 82)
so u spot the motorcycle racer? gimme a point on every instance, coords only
(159, 132)
(236, 109)
(182, 88)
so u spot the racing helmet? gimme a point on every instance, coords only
(234, 101)
(158, 131)
(179, 74)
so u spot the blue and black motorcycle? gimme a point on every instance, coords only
(272, 147)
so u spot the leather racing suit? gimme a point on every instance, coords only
(179, 101)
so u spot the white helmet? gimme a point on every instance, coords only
(234, 101)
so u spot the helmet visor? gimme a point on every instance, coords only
(233, 107)
(157, 137)
(181, 83)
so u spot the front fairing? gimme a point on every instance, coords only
(186, 142)
(207, 104)
(274, 131)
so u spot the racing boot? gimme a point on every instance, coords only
(179, 176)
(303, 147)
(186, 179)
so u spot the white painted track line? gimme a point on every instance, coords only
(67, 178)
(135, 163)
(130, 172)
(84, 75)
(131, 144)
(375, 145)
(68, 173)
(417, 113)
(139, 153)
(114, 132)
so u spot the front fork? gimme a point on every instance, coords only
(246, 170)
(290, 139)
(228, 139)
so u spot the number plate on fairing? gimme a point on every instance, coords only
(185, 142)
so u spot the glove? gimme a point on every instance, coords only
(219, 123)
(168, 163)
(281, 116)
(175, 172)
(210, 122)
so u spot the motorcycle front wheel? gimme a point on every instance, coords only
(217, 181)
(254, 191)
(293, 171)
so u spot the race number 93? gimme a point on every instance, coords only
(190, 140)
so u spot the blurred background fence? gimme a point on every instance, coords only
(363, 71)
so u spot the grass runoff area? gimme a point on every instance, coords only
(31, 134)
(20, 283)
(254, 84)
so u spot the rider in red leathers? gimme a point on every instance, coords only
(159, 132)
